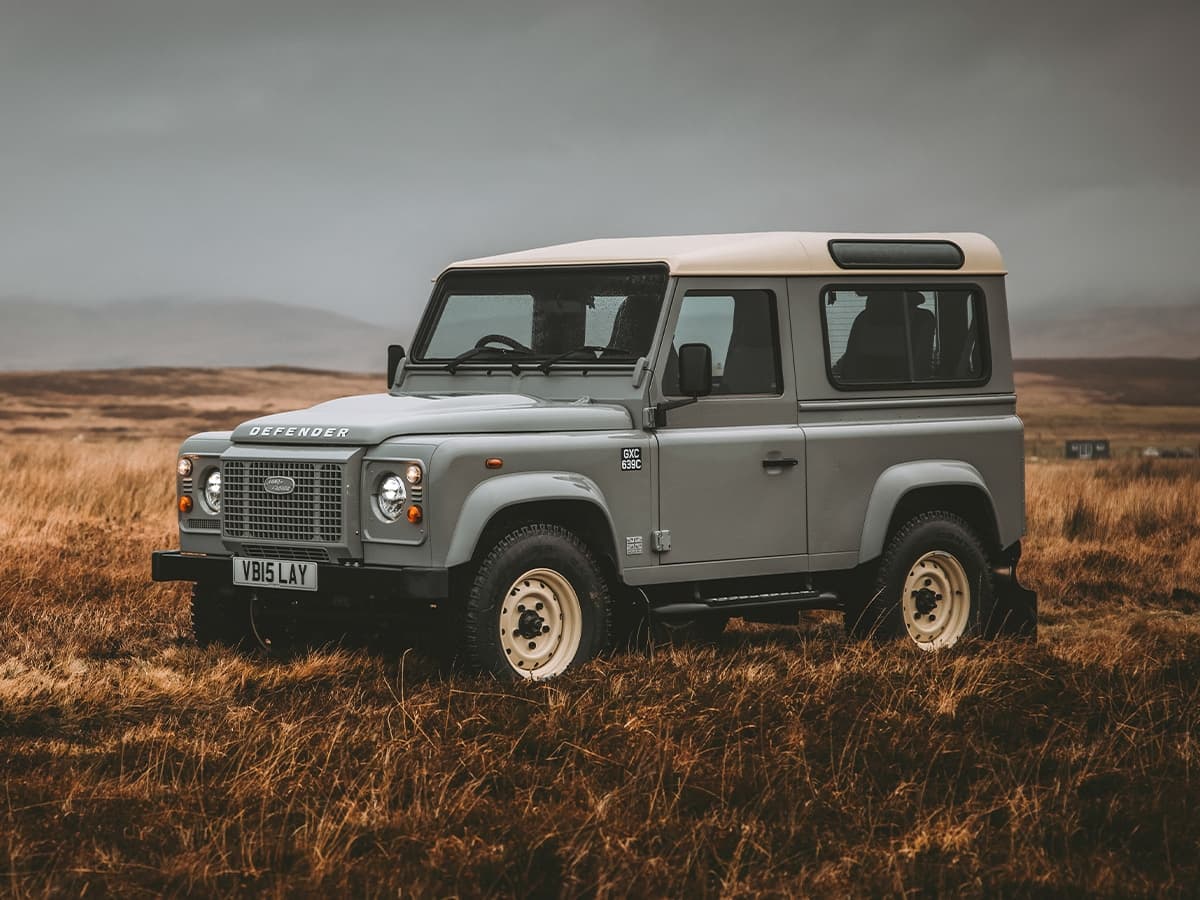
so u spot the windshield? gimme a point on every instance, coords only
(538, 314)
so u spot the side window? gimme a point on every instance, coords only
(904, 336)
(741, 329)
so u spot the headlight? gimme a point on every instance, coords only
(413, 474)
(212, 490)
(390, 498)
(184, 468)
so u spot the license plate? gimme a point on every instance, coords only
(275, 573)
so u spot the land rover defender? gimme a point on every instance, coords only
(669, 431)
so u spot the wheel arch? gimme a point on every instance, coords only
(908, 489)
(568, 500)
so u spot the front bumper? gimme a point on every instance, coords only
(406, 584)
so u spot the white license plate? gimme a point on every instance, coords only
(275, 573)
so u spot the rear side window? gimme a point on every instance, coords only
(906, 336)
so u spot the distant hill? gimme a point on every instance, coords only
(1134, 380)
(40, 335)
(1143, 330)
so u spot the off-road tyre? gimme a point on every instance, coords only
(537, 571)
(942, 546)
(220, 617)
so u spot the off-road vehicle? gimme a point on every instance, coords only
(673, 430)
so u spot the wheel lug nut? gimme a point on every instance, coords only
(539, 606)
(532, 645)
(545, 629)
(521, 608)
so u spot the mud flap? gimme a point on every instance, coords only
(1015, 613)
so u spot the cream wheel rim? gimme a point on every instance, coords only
(541, 624)
(936, 600)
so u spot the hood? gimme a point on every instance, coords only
(369, 419)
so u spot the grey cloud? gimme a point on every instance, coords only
(338, 154)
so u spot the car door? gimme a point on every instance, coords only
(731, 466)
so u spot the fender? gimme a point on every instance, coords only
(495, 494)
(899, 480)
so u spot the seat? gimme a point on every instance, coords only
(922, 326)
(750, 366)
(875, 349)
(633, 326)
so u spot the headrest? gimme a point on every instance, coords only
(884, 303)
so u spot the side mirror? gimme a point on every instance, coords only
(695, 370)
(395, 355)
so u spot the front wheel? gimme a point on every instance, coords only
(538, 604)
(933, 586)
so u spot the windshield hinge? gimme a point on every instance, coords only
(640, 368)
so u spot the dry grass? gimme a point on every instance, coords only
(787, 760)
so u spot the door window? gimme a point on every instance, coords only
(741, 329)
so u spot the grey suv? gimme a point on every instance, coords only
(668, 431)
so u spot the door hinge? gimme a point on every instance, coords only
(660, 541)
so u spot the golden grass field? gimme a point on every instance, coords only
(786, 760)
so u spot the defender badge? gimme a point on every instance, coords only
(279, 484)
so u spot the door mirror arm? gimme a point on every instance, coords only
(661, 409)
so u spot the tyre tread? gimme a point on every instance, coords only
(863, 622)
(475, 615)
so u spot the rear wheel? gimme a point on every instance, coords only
(220, 617)
(933, 585)
(538, 604)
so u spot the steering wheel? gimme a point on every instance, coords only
(510, 343)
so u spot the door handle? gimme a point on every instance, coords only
(786, 462)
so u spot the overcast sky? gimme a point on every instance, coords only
(337, 154)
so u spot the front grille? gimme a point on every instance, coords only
(301, 554)
(312, 513)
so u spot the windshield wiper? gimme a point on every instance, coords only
(453, 365)
(583, 348)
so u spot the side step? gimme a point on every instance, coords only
(747, 604)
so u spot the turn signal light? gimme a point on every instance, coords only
(494, 462)
(414, 514)
(185, 504)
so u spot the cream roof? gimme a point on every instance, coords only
(756, 253)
